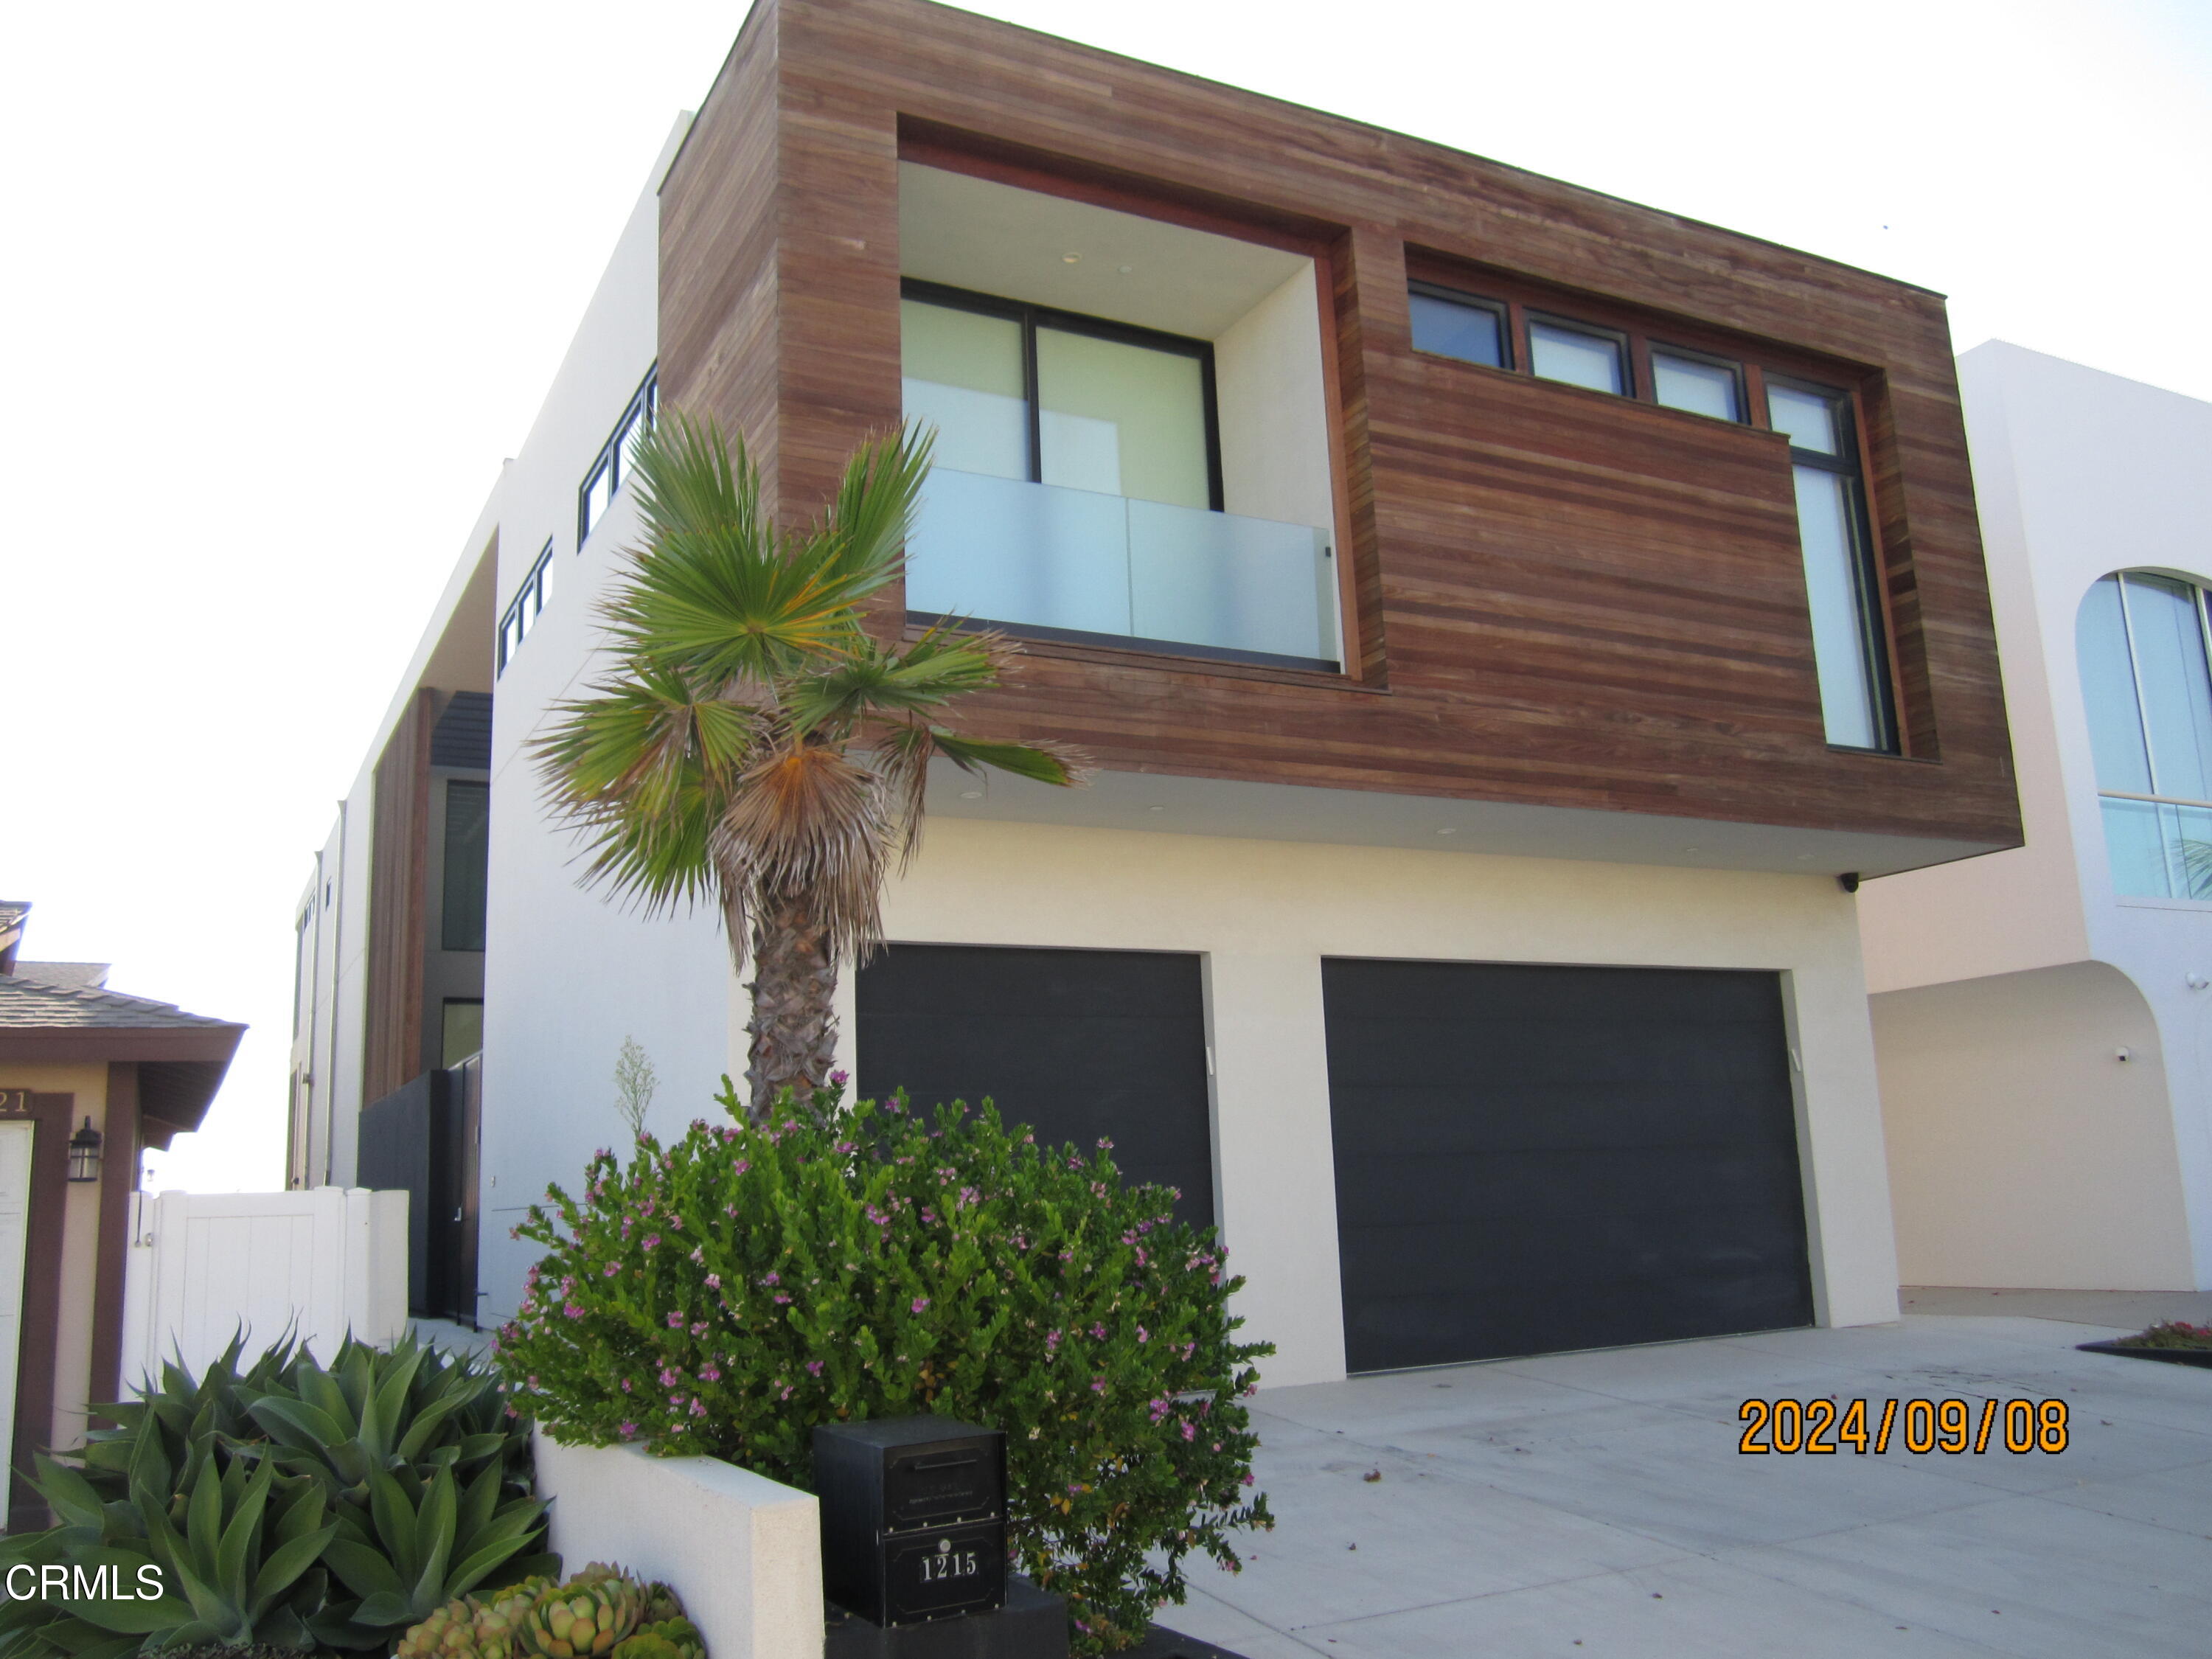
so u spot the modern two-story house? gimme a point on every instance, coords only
(1509, 622)
(2042, 1018)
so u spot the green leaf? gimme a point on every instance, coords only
(285, 1564)
(386, 1607)
(435, 1533)
(69, 1492)
(1021, 759)
(363, 1569)
(241, 1538)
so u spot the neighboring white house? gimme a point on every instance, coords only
(2043, 1017)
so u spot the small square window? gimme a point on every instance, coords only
(1703, 386)
(1577, 356)
(1468, 330)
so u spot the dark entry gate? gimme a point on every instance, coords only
(1079, 1044)
(1534, 1158)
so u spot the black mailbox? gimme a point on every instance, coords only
(914, 1517)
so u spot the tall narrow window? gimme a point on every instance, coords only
(468, 847)
(1850, 651)
(2147, 684)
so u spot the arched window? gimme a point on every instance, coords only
(2147, 677)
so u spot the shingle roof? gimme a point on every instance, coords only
(69, 976)
(32, 1005)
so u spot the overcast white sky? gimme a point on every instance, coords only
(284, 284)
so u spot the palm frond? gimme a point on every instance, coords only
(713, 589)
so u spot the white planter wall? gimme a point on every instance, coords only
(743, 1551)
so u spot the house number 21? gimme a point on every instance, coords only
(947, 1563)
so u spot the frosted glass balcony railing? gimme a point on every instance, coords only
(1040, 556)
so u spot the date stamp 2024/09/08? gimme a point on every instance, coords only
(1952, 1426)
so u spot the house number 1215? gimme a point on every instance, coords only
(948, 1563)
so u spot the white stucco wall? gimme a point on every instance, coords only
(2079, 473)
(569, 973)
(1274, 409)
(2024, 1153)
(1264, 914)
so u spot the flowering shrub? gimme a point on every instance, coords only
(724, 1294)
(2171, 1333)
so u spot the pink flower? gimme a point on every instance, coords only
(668, 1375)
(697, 1408)
(1099, 1332)
(1097, 1385)
(919, 1302)
(1142, 1335)
(625, 1385)
(814, 1368)
(699, 1329)
(574, 1311)
(710, 1373)
(629, 1431)
(713, 1281)
(675, 1321)
(780, 1299)
(1191, 1433)
(612, 1268)
(652, 1240)
(1249, 1477)
(841, 1078)
(773, 1278)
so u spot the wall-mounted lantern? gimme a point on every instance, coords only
(84, 1153)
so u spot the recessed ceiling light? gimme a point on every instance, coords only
(1156, 809)
(1689, 849)
(1125, 269)
(1448, 832)
(1069, 258)
(971, 794)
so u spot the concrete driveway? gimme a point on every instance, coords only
(1595, 1504)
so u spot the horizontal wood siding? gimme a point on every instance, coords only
(1562, 597)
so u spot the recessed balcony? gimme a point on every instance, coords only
(1132, 427)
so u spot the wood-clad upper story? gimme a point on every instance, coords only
(1549, 595)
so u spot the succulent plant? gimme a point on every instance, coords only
(666, 1639)
(661, 1604)
(447, 1632)
(501, 1614)
(585, 1618)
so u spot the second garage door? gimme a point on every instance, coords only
(1078, 1044)
(1534, 1158)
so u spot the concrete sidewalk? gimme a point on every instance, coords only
(1597, 1503)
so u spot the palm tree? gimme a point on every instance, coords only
(754, 747)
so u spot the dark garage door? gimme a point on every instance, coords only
(1078, 1044)
(1537, 1158)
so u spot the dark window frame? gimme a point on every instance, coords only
(644, 404)
(1033, 316)
(1655, 347)
(1618, 337)
(1499, 309)
(1875, 656)
(514, 626)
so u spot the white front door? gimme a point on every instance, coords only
(15, 1231)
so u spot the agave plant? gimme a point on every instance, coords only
(285, 1504)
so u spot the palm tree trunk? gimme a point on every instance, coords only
(794, 1023)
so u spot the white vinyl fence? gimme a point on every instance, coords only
(318, 1263)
